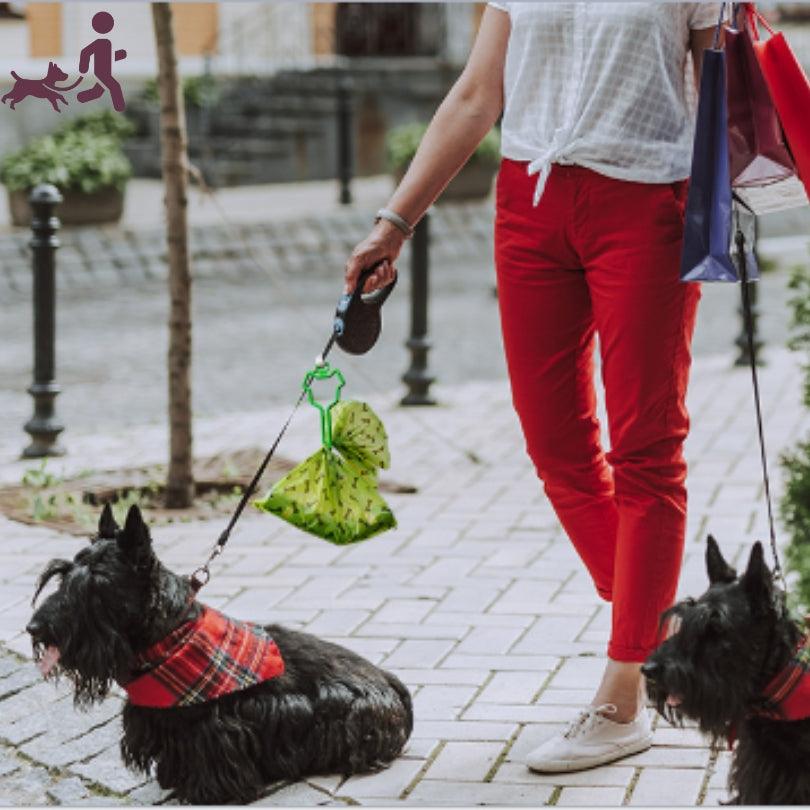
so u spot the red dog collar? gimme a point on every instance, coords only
(203, 660)
(787, 694)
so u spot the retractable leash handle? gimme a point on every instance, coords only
(358, 321)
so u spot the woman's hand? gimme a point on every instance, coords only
(383, 243)
(466, 114)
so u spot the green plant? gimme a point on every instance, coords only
(794, 506)
(402, 142)
(84, 155)
(198, 91)
(103, 122)
(71, 160)
(44, 508)
(39, 477)
(799, 303)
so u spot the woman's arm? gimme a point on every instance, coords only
(467, 113)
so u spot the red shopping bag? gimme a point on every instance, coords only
(756, 144)
(789, 88)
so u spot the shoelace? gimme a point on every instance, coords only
(586, 719)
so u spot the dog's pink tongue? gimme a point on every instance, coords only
(673, 700)
(50, 658)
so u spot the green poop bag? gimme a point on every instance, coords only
(333, 494)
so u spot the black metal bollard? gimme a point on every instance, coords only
(43, 426)
(751, 290)
(416, 377)
(345, 141)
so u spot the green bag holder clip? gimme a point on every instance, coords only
(333, 494)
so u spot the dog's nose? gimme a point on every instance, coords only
(649, 669)
(33, 628)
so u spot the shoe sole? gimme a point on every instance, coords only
(585, 763)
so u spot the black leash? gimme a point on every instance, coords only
(202, 575)
(739, 243)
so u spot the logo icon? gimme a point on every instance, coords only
(99, 52)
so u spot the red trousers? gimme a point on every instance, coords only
(600, 256)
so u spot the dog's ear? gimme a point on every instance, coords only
(135, 536)
(716, 566)
(757, 577)
(107, 527)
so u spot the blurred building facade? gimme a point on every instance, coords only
(253, 37)
(274, 68)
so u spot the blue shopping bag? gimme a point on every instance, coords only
(707, 240)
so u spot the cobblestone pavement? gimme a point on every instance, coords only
(477, 601)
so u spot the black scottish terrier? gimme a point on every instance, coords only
(331, 711)
(737, 664)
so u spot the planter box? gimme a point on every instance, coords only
(102, 206)
(473, 182)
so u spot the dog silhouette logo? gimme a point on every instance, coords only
(46, 88)
(99, 52)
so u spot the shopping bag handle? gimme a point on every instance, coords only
(754, 16)
(718, 28)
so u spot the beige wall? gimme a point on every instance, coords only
(44, 29)
(195, 27)
(322, 20)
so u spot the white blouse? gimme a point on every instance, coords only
(601, 85)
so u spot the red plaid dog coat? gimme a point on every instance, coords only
(202, 660)
(787, 696)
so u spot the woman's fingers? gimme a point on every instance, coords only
(384, 273)
(380, 248)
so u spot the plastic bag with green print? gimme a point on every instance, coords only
(333, 494)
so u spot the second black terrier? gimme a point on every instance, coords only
(218, 708)
(740, 666)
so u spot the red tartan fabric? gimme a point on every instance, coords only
(788, 694)
(203, 660)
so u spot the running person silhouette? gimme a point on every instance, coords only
(100, 51)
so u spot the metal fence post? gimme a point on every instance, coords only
(416, 377)
(741, 341)
(345, 141)
(43, 427)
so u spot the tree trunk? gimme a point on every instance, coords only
(173, 142)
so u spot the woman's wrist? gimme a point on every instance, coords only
(387, 230)
(399, 222)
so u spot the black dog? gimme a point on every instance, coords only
(330, 711)
(738, 665)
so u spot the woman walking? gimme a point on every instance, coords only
(596, 143)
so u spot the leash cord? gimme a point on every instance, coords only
(202, 574)
(739, 241)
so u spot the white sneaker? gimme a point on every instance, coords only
(592, 739)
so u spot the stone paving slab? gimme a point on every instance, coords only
(484, 612)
